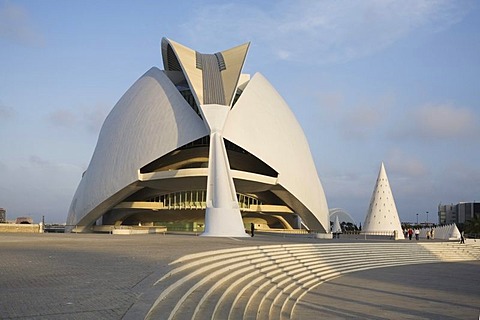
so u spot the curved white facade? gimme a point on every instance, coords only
(174, 131)
(150, 120)
(262, 123)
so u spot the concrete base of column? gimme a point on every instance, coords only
(224, 222)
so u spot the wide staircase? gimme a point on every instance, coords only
(266, 282)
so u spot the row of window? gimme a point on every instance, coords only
(197, 199)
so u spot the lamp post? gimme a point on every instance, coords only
(427, 217)
(417, 218)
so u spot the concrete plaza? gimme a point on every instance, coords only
(100, 276)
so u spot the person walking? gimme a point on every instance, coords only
(410, 233)
(252, 229)
(462, 237)
(417, 234)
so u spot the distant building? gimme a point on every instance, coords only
(457, 213)
(24, 220)
(447, 212)
(3, 215)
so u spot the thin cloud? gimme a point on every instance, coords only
(439, 122)
(6, 112)
(90, 120)
(330, 102)
(17, 26)
(405, 165)
(38, 161)
(360, 122)
(321, 31)
(3, 167)
(62, 118)
(50, 187)
(355, 120)
(445, 121)
(462, 174)
(48, 166)
(93, 119)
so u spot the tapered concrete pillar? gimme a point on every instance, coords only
(222, 216)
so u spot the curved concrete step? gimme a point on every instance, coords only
(185, 287)
(235, 260)
(278, 283)
(273, 304)
(268, 281)
(290, 301)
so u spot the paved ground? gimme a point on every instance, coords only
(95, 276)
(426, 291)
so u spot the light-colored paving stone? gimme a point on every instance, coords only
(96, 276)
(89, 276)
(423, 291)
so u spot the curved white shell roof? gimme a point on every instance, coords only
(153, 119)
(262, 123)
(150, 120)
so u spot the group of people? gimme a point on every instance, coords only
(410, 232)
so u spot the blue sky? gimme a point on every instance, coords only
(369, 81)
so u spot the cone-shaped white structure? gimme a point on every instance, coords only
(336, 226)
(452, 232)
(382, 216)
(448, 232)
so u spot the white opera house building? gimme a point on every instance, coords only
(199, 146)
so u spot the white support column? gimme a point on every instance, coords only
(222, 216)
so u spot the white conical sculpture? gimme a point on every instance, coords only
(382, 216)
(336, 226)
(453, 233)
